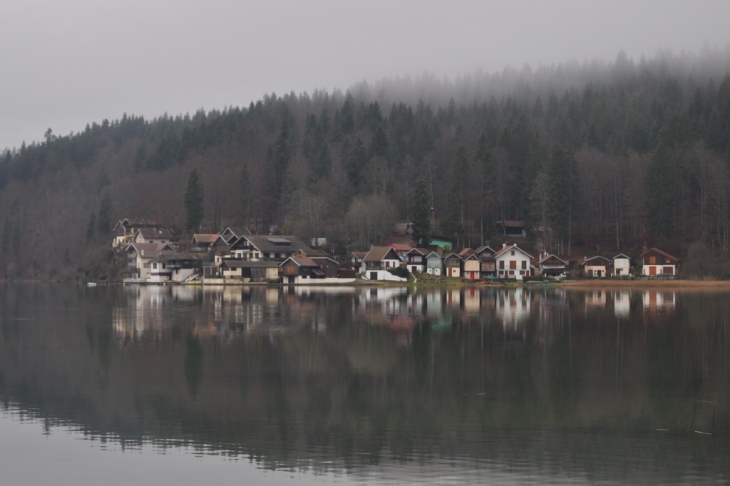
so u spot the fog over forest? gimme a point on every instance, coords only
(595, 157)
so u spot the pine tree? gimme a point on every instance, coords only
(456, 194)
(104, 222)
(193, 202)
(562, 177)
(421, 211)
(91, 228)
(661, 191)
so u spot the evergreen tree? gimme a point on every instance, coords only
(661, 191)
(562, 177)
(104, 222)
(91, 227)
(421, 211)
(193, 202)
(456, 194)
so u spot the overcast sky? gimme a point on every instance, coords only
(66, 63)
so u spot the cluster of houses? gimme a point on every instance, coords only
(236, 255)
(233, 255)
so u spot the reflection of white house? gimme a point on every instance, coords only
(622, 304)
(512, 308)
(621, 265)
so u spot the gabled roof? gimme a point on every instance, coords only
(301, 261)
(273, 244)
(621, 255)
(452, 255)
(359, 254)
(485, 248)
(236, 231)
(379, 253)
(657, 250)
(149, 249)
(153, 233)
(208, 238)
(419, 251)
(472, 256)
(465, 252)
(435, 254)
(401, 247)
(511, 247)
(607, 260)
(549, 256)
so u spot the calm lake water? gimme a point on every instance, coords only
(173, 385)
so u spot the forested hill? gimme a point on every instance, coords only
(607, 156)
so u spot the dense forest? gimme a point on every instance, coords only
(599, 157)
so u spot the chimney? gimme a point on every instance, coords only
(504, 245)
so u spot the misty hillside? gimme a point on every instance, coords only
(604, 156)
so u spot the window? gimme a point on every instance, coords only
(652, 260)
(524, 264)
(501, 264)
(512, 253)
(154, 266)
(513, 264)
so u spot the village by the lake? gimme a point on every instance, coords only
(237, 256)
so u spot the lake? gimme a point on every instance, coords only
(306, 385)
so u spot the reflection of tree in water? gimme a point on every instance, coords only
(328, 378)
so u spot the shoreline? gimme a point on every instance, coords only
(587, 284)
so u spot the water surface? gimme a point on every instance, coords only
(180, 385)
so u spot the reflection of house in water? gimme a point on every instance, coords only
(453, 298)
(655, 301)
(144, 313)
(622, 304)
(471, 300)
(595, 299)
(512, 308)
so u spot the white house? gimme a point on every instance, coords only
(621, 265)
(434, 264)
(141, 260)
(597, 266)
(512, 262)
(376, 263)
(152, 235)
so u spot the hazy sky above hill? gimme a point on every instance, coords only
(66, 63)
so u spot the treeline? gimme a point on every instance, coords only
(606, 156)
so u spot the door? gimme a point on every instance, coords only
(652, 270)
(373, 275)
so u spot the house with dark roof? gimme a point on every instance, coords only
(124, 231)
(657, 262)
(452, 265)
(549, 265)
(471, 266)
(272, 248)
(416, 260)
(378, 260)
(203, 242)
(141, 260)
(597, 266)
(511, 229)
(152, 235)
